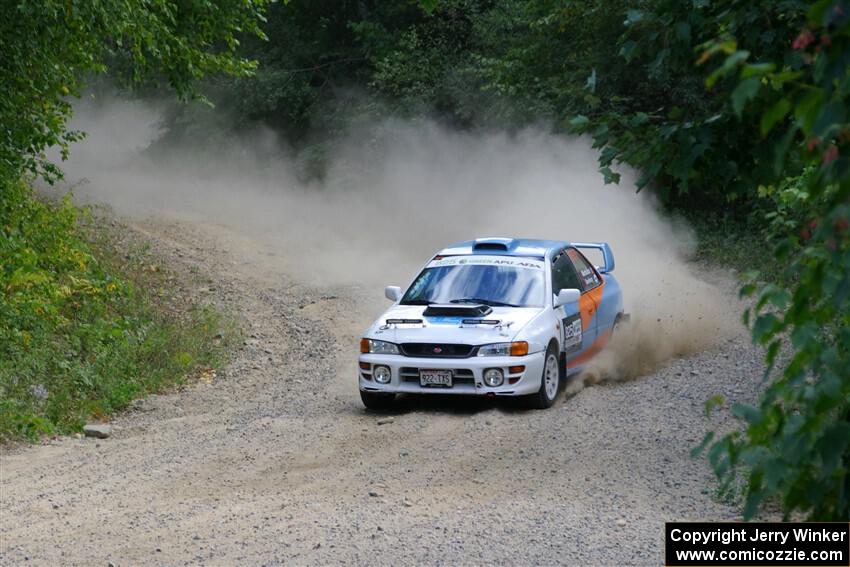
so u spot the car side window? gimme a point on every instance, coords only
(563, 274)
(586, 273)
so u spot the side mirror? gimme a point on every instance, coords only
(392, 292)
(566, 296)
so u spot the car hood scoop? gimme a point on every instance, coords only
(407, 324)
(455, 310)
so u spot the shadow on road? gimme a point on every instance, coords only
(470, 405)
(451, 405)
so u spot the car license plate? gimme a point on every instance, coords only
(435, 378)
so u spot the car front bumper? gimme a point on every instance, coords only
(467, 374)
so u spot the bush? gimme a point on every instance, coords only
(77, 341)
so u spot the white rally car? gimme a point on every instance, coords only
(495, 317)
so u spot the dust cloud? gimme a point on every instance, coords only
(397, 191)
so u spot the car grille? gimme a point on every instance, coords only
(459, 375)
(435, 350)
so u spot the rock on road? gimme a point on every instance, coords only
(274, 461)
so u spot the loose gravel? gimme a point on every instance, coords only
(274, 461)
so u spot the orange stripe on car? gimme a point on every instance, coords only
(588, 304)
(597, 345)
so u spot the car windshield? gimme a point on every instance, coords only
(489, 280)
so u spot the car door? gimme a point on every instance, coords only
(592, 288)
(576, 329)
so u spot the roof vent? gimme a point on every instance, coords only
(491, 246)
(500, 244)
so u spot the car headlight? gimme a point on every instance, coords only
(382, 375)
(494, 377)
(519, 348)
(371, 346)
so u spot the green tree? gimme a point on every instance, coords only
(766, 135)
(50, 47)
(75, 340)
(796, 447)
(685, 138)
(766, 132)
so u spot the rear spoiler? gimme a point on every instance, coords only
(607, 254)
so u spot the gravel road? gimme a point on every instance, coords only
(275, 461)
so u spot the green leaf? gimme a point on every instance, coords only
(608, 155)
(578, 122)
(744, 92)
(633, 17)
(428, 6)
(718, 457)
(183, 358)
(746, 412)
(764, 327)
(600, 136)
(833, 443)
(697, 451)
(683, 31)
(773, 115)
(591, 81)
(750, 275)
(772, 351)
(627, 50)
(752, 503)
(649, 174)
(609, 175)
(731, 63)
(756, 69)
(639, 119)
(830, 117)
(775, 295)
(778, 80)
(807, 110)
(675, 113)
(780, 150)
(804, 334)
(747, 290)
(712, 403)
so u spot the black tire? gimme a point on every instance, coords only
(545, 397)
(616, 323)
(621, 319)
(377, 400)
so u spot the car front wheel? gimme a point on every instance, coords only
(550, 383)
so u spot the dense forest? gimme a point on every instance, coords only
(733, 111)
(627, 73)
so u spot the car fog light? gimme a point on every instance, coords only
(493, 377)
(381, 374)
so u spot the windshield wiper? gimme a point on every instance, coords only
(489, 302)
(417, 302)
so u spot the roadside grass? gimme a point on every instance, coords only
(742, 246)
(86, 327)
